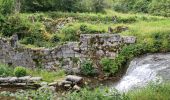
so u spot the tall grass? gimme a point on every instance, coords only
(151, 92)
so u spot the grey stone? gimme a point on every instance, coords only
(53, 84)
(100, 43)
(76, 87)
(65, 82)
(35, 79)
(13, 80)
(24, 79)
(73, 78)
(43, 83)
(5, 80)
(67, 85)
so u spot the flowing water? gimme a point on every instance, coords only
(146, 69)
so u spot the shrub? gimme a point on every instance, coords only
(20, 71)
(70, 34)
(108, 66)
(87, 68)
(5, 71)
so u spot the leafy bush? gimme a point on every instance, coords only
(5, 70)
(108, 66)
(20, 71)
(87, 68)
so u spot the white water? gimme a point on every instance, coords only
(143, 70)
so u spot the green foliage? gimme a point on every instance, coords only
(98, 5)
(70, 34)
(151, 92)
(108, 66)
(6, 6)
(156, 7)
(40, 94)
(63, 5)
(159, 43)
(55, 38)
(48, 76)
(5, 70)
(20, 71)
(87, 68)
(160, 7)
(96, 94)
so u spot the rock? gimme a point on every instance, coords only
(67, 85)
(76, 87)
(20, 84)
(24, 79)
(35, 79)
(74, 79)
(43, 83)
(52, 88)
(62, 83)
(4, 80)
(53, 84)
(76, 70)
(13, 80)
(129, 39)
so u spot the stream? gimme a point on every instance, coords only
(144, 70)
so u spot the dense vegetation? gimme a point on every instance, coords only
(155, 7)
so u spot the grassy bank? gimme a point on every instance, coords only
(151, 92)
(47, 76)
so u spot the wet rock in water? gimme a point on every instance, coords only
(76, 87)
(74, 79)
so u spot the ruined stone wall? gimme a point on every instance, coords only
(67, 56)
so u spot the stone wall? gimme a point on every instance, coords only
(68, 56)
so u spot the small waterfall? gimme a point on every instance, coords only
(144, 70)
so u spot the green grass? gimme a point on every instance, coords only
(151, 92)
(48, 76)
(35, 33)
